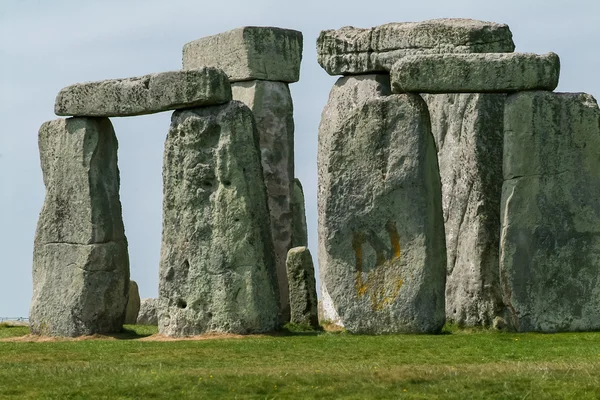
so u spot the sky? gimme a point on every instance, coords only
(46, 45)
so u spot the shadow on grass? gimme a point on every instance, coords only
(132, 332)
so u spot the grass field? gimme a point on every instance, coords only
(455, 365)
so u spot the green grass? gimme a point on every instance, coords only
(455, 365)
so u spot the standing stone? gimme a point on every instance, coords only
(382, 251)
(216, 269)
(303, 288)
(133, 304)
(80, 262)
(299, 229)
(148, 312)
(550, 238)
(468, 131)
(271, 104)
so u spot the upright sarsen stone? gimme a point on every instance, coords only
(133, 304)
(216, 269)
(382, 250)
(550, 237)
(80, 263)
(303, 288)
(468, 131)
(299, 229)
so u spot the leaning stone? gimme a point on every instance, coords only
(148, 312)
(382, 249)
(550, 237)
(250, 52)
(216, 270)
(350, 50)
(133, 304)
(303, 292)
(468, 131)
(145, 94)
(80, 262)
(475, 73)
(271, 104)
(299, 230)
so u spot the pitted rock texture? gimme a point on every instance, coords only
(350, 50)
(250, 52)
(80, 261)
(217, 272)
(145, 94)
(271, 104)
(550, 237)
(299, 229)
(468, 131)
(303, 287)
(475, 73)
(133, 304)
(382, 250)
(148, 314)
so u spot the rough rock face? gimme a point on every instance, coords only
(133, 304)
(303, 288)
(382, 251)
(468, 131)
(299, 229)
(250, 52)
(550, 241)
(351, 50)
(80, 262)
(145, 94)
(148, 312)
(475, 73)
(271, 104)
(216, 270)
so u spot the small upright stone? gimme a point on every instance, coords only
(250, 52)
(133, 304)
(299, 229)
(145, 94)
(80, 261)
(475, 73)
(148, 312)
(303, 291)
(550, 237)
(216, 269)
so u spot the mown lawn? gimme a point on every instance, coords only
(455, 365)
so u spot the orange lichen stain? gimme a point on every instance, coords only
(394, 238)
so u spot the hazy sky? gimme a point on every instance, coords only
(46, 45)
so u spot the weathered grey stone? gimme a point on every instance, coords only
(250, 52)
(80, 262)
(350, 50)
(271, 104)
(303, 288)
(145, 94)
(216, 270)
(468, 131)
(382, 253)
(133, 304)
(299, 229)
(148, 314)
(550, 237)
(472, 73)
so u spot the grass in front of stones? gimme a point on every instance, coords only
(455, 365)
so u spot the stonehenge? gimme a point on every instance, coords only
(454, 185)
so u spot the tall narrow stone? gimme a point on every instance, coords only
(550, 237)
(468, 131)
(271, 104)
(303, 289)
(80, 262)
(382, 250)
(299, 229)
(216, 270)
(133, 303)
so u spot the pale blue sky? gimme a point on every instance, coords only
(46, 45)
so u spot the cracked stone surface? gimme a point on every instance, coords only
(217, 272)
(148, 312)
(468, 131)
(350, 50)
(382, 254)
(144, 94)
(550, 210)
(303, 287)
(80, 262)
